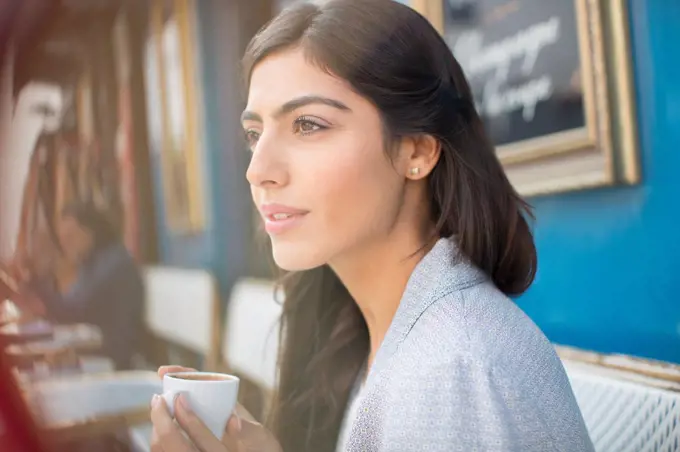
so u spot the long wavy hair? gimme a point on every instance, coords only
(392, 56)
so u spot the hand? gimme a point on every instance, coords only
(243, 433)
(31, 304)
(19, 269)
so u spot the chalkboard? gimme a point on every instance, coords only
(522, 60)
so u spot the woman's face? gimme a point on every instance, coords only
(319, 174)
(75, 240)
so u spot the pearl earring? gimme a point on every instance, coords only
(414, 171)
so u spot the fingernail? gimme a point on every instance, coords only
(154, 400)
(184, 402)
(239, 426)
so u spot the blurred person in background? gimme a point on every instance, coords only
(108, 290)
(402, 240)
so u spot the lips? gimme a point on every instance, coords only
(279, 218)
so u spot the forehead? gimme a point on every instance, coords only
(288, 74)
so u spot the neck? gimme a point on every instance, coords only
(376, 276)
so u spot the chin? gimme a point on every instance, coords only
(297, 256)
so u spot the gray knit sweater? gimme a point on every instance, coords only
(462, 368)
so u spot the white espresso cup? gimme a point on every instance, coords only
(211, 396)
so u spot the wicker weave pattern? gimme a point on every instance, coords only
(626, 416)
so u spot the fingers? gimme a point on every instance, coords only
(172, 369)
(231, 435)
(242, 413)
(169, 437)
(199, 434)
(155, 442)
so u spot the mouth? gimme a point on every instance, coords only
(279, 219)
(279, 216)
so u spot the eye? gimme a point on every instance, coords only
(252, 136)
(305, 125)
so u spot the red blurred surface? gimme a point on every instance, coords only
(18, 431)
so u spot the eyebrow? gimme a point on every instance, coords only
(296, 103)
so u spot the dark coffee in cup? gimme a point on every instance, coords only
(203, 377)
(211, 395)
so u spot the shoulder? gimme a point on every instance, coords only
(115, 265)
(474, 368)
(482, 326)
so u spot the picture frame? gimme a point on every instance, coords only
(172, 30)
(553, 84)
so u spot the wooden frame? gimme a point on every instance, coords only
(605, 150)
(660, 373)
(125, 137)
(173, 37)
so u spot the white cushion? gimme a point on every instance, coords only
(180, 306)
(251, 339)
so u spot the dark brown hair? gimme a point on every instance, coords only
(393, 57)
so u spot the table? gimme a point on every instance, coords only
(77, 407)
(63, 346)
(29, 331)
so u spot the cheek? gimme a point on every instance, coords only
(82, 242)
(352, 201)
(63, 238)
(357, 194)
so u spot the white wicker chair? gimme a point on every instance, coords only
(626, 411)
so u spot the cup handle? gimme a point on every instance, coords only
(170, 397)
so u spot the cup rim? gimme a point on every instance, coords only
(231, 379)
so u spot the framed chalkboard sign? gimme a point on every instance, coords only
(552, 82)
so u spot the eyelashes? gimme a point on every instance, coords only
(251, 136)
(302, 126)
(306, 125)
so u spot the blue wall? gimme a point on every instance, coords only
(177, 248)
(219, 247)
(609, 270)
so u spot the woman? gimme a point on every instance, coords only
(402, 236)
(108, 290)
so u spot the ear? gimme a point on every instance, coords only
(421, 154)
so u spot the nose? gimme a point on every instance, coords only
(267, 166)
